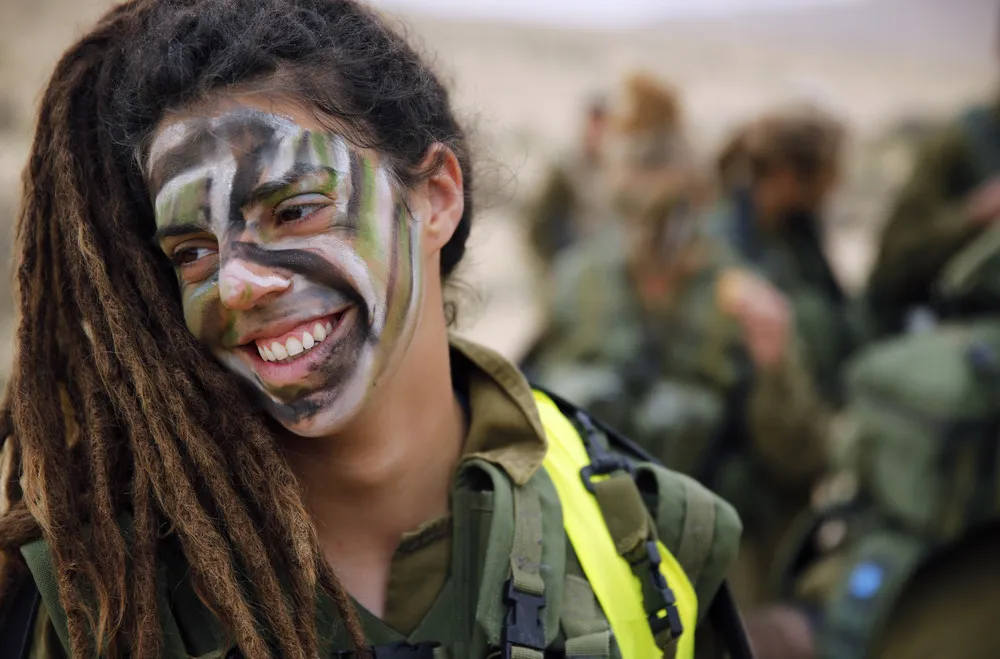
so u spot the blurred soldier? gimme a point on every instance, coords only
(910, 568)
(952, 195)
(649, 151)
(662, 336)
(573, 199)
(776, 173)
(642, 154)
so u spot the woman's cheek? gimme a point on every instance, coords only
(203, 312)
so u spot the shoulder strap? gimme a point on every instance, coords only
(618, 490)
(39, 559)
(725, 618)
(642, 625)
(19, 621)
(698, 531)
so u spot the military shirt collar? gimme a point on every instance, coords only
(504, 426)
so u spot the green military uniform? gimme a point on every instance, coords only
(440, 589)
(682, 385)
(794, 261)
(914, 571)
(929, 223)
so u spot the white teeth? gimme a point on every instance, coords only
(293, 346)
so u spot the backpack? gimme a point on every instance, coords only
(645, 592)
(926, 449)
(926, 416)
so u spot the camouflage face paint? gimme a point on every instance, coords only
(296, 255)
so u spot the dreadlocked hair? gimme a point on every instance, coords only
(114, 412)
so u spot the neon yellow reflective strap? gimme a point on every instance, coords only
(610, 576)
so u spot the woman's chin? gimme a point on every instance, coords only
(320, 414)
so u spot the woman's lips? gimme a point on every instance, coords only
(286, 359)
(299, 340)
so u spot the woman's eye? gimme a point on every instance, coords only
(189, 255)
(299, 208)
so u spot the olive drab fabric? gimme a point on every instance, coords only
(926, 407)
(519, 579)
(618, 591)
(925, 413)
(794, 260)
(929, 223)
(681, 384)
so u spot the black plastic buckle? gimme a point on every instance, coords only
(667, 603)
(604, 464)
(602, 461)
(523, 624)
(398, 650)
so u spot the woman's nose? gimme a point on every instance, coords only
(244, 285)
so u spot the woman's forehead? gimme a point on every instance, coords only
(276, 112)
(234, 126)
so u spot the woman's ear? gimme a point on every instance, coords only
(445, 199)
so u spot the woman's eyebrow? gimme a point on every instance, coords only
(296, 174)
(182, 229)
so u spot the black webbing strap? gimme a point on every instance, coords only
(18, 624)
(726, 620)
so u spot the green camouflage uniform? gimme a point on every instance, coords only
(446, 578)
(683, 386)
(794, 261)
(913, 570)
(929, 223)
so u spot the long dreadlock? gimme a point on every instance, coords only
(114, 412)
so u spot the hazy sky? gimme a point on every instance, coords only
(596, 13)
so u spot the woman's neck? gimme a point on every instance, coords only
(391, 470)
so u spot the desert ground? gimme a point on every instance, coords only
(519, 87)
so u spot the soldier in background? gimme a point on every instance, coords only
(951, 196)
(908, 567)
(572, 200)
(696, 358)
(650, 151)
(776, 174)
(641, 153)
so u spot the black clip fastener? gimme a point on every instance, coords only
(665, 616)
(523, 625)
(602, 461)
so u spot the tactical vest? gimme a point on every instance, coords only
(926, 415)
(629, 597)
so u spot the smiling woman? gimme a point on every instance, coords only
(298, 262)
(237, 424)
